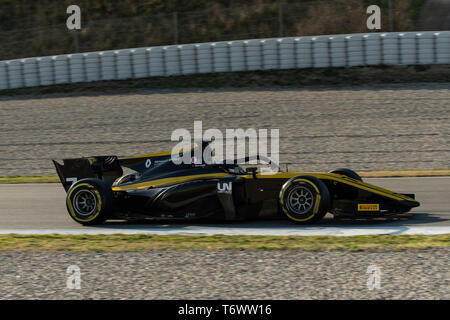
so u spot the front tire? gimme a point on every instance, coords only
(347, 172)
(305, 199)
(88, 201)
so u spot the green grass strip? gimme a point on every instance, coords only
(29, 179)
(139, 243)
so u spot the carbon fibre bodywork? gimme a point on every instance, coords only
(160, 189)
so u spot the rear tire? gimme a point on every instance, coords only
(347, 172)
(305, 199)
(88, 201)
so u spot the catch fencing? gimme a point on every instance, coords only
(344, 50)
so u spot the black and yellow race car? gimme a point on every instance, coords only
(156, 188)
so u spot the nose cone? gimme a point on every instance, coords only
(409, 200)
(411, 203)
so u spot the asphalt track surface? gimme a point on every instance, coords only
(40, 208)
(381, 127)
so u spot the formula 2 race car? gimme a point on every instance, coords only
(157, 188)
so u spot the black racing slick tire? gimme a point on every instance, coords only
(88, 201)
(305, 199)
(347, 172)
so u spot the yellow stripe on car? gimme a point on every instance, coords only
(277, 175)
(335, 177)
(167, 181)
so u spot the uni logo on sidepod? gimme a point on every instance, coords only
(224, 187)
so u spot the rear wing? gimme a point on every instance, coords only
(106, 168)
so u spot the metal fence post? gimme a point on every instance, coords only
(434, 48)
(330, 58)
(347, 60)
(244, 48)
(180, 66)
(417, 49)
(8, 78)
(175, 27)
(391, 16)
(197, 69)
(213, 61)
(131, 54)
(364, 47)
(76, 41)
(261, 54)
(147, 62)
(229, 57)
(280, 19)
(52, 63)
(100, 67)
(278, 54)
(69, 69)
(84, 67)
(22, 72)
(116, 69)
(163, 52)
(38, 72)
(295, 54)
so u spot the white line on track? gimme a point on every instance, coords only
(202, 230)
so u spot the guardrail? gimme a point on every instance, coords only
(409, 48)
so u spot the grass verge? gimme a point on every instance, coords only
(120, 242)
(403, 173)
(29, 179)
(364, 174)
